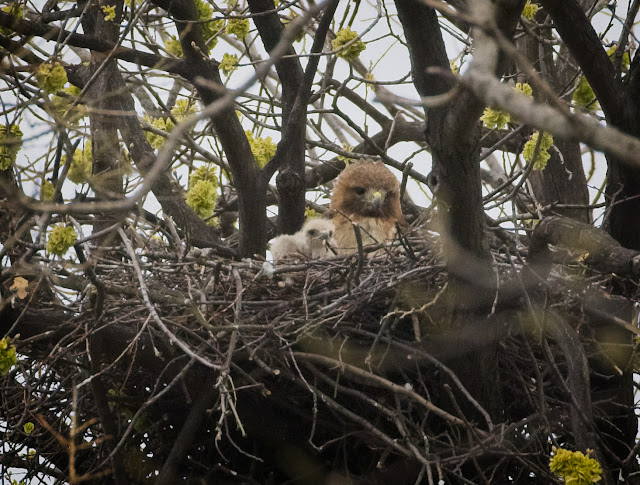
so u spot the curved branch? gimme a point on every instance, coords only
(55, 34)
(603, 251)
(568, 126)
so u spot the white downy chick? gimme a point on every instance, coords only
(319, 238)
(286, 246)
(314, 240)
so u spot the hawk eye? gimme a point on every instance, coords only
(359, 190)
(312, 232)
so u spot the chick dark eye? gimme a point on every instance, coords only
(359, 190)
(312, 232)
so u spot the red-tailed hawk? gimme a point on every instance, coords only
(313, 241)
(368, 193)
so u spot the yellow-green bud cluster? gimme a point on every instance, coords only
(495, 118)
(546, 142)
(173, 46)
(575, 467)
(154, 139)
(310, 213)
(263, 149)
(63, 104)
(228, 64)
(203, 191)
(180, 111)
(584, 96)
(8, 357)
(343, 37)
(238, 27)
(347, 148)
(530, 10)
(109, 12)
(207, 173)
(525, 88)
(46, 191)
(498, 119)
(81, 164)
(210, 28)
(51, 77)
(10, 144)
(61, 239)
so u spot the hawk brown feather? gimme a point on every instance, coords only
(367, 193)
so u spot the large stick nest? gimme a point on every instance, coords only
(328, 368)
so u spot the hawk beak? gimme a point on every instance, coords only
(376, 199)
(324, 235)
(327, 245)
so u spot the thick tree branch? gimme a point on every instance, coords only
(19, 50)
(250, 184)
(455, 176)
(291, 149)
(103, 77)
(586, 48)
(189, 432)
(453, 133)
(603, 252)
(290, 182)
(427, 48)
(288, 67)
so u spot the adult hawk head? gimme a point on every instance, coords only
(368, 193)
